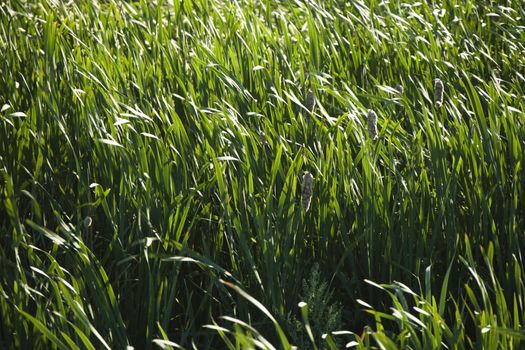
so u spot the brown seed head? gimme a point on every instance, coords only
(308, 185)
(310, 101)
(87, 221)
(371, 123)
(438, 92)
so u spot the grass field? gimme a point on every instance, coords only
(262, 174)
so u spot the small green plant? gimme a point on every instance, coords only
(324, 314)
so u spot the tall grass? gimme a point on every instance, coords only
(152, 157)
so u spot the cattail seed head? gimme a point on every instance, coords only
(308, 185)
(310, 101)
(87, 221)
(262, 138)
(371, 123)
(438, 92)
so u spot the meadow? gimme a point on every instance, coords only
(248, 174)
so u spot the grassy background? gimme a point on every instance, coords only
(152, 156)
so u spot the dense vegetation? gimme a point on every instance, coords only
(262, 174)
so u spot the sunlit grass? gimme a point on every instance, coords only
(246, 174)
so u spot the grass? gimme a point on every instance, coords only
(152, 157)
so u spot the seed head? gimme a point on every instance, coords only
(262, 138)
(371, 123)
(87, 221)
(310, 101)
(438, 92)
(308, 184)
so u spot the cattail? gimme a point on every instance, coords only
(371, 123)
(310, 103)
(400, 89)
(308, 185)
(87, 221)
(262, 138)
(438, 92)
